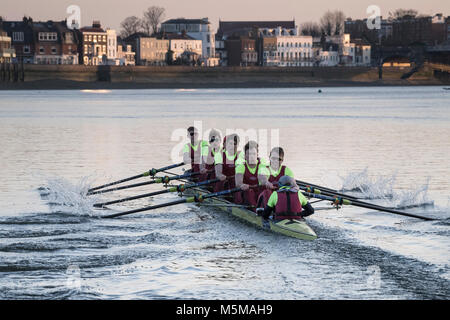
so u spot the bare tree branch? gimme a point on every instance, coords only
(129, 26)
(400, 13)
(327, 23)
(339, 21)
(152, 18)
(310, 29)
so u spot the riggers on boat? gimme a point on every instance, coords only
(295, 228)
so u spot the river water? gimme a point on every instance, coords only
(388, 145)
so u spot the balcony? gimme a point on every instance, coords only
(8, 53)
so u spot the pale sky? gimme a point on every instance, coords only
(111, 12)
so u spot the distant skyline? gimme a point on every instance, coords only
(111, 13)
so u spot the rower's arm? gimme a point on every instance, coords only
(262, 179)
(306, 206)
(239, 177)
(270, 206)
(187, 158)
(205, 152)
(218, 168)
(307, 210)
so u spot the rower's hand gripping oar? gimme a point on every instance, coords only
(151, 173)
(165, 179)
(339, 201)
(180, 188)
(196, 198)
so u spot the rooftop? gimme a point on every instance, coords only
(229, 27)
(187, 21)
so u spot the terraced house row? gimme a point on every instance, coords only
(180, 41)
(53, 42)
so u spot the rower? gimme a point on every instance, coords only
(273, 173)
(209, 153)
(287, 202)
(192, 152)
(226, 162)
(250, 173)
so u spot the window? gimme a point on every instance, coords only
(26, 49)
(41, 50)
(48, 36)
(18, 36)
(53, 50)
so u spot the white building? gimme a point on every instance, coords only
(291, 49)
(180, 44)
(328, 58)
(350, 53)
(94, 44)
(199, 29)
(111, 47)
(126, 55)
(151, 51)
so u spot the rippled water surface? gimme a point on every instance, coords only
(390, 146)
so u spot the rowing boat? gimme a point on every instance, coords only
(295, 228)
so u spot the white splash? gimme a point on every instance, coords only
(383, 188)
(380, 187)
(413, 198)
(66, 197)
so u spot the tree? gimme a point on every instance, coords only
(310, 29)
(332, 23)
(129, 26)
(400, 13)
(327, 23)
(339, 22)
(152, 18)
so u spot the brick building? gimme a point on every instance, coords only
(93, 45)
(42, 42)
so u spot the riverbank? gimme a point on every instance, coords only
(43, 77)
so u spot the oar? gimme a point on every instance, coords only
(179, 188)
(164, 179)
(312, 188)
(196, 198)
(151, 173)
(303, 183)
(343, 201)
